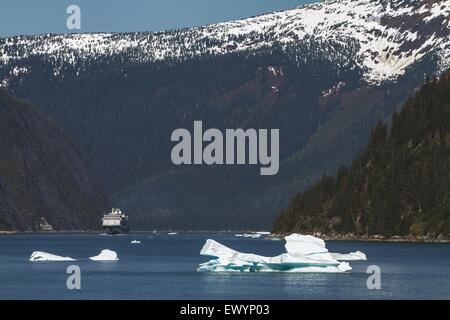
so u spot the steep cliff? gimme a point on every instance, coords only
(44, 183)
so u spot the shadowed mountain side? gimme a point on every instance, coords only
(44, 183)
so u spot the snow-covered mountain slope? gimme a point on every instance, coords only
(391, 34)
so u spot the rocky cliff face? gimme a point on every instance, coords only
(44, 183)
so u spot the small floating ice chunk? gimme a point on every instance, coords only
(135, 242)
(344, 266)
(172, 233)
(263, 233)
(249, 235)
(253, 236)
(304, 254)
(44, 256)
(105, 255)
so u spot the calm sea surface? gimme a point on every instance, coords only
(164, 267)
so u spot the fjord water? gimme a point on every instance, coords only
(164, 267)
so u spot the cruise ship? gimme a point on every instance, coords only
(115, 222)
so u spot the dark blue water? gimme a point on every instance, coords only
(164, 267)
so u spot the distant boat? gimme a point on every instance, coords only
(115, 222)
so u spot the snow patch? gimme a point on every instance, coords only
(383, 53)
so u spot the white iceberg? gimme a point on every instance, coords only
(300, 244)
(352, 256)
(44, 256)
(297, 244)
(105, 255)
(304, 254)
(249, 235)
(253, 236)
(172, 233)
(135, 242)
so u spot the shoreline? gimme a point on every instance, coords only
(388, 240)
(375, 238)
(48, 232)
(273, 236)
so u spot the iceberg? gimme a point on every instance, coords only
(105, 255)
(135, 242)
(352, 256)
(172, 233)
(304, 254)
(44, 256)
(249, 235)
(253, 236)
(297, 244)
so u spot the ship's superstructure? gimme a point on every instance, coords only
(115, 222)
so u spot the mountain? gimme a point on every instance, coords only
(390, 34)
(324, 74)
(44, 183)
(399, 185)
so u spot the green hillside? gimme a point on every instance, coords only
(399, 185)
